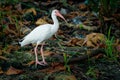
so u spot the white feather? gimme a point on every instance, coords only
(43, 32)
(40, 34)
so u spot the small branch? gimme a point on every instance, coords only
(80, 58)
(89, 28)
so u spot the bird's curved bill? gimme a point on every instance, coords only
(58, 14)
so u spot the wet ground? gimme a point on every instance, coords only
(75, 52)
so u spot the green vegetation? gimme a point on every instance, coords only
(9, 1)
(66, 60)
(104, 8)
(109, 49)
(92, 73)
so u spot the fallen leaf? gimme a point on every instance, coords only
(82, 6)
(47, 53)
(19, 7)
(75, 42)
(65, 77)
(90, 44)
(40, 21)
(1, 71)
(107, 19)
(99, 55)
(71, 15)
(10, 48)
(12, 71)
(117, 45)
(31, 10)
(8, 8)
(54, 68)
(0, 52)
(94, 40)
(25, 30)
(9, 30)
(3, 58)
(29, 63)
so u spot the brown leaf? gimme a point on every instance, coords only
(99, 55)
(1, 71)
(8, 8)
(3, 58)
(54, 68)
(10, 29)
(82, 6)
(12, 71)
(75, 42)
(47, 53)
(25, 30)
(29, 63)
(108, 19)
(72, 15)
(19, 7)
(65, 77)
(40, 21)
(90, 44)
(118, 47)
(31, 10)
(10, 48)
(94, 40)
(0, 52)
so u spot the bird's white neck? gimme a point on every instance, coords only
(55, 24)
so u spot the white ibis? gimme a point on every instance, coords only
(41, 33)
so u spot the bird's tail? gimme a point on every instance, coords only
(24, 42)
(21, 43)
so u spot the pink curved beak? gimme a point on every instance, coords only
(58, 14)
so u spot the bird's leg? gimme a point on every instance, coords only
(41, 50)
(36, 57)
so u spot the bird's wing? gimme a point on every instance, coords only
(40, 33)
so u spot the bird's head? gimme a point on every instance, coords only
(57, 13)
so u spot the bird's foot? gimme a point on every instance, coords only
(43, 63)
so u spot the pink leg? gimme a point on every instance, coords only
(41, 50)
(36, 57)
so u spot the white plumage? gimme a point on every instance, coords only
(41, 33)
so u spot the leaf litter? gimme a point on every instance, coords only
(69, 36)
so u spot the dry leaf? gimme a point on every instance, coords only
(1, 71)
(71, 15)
(118, 47)
(90, 44)
(25, 30)
(75, 42)
(65, 77)
(10, 29)
(107, 19)
(0, 52)
(47, 53)
(54, 68)
(31, 10)
(40, 21)
(99, 55)
(8, 8)
(82, 6)
(12, 71)
(30, 63)
(3, 58)
(10, 48)
(94, 40)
